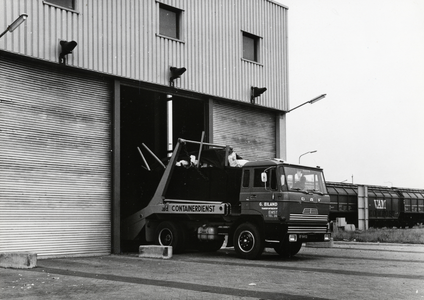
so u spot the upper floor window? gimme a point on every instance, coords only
(69, 4)
(250, 47)
(169, 21)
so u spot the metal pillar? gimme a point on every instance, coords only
(363, 215)
(169, 128)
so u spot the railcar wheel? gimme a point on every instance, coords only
(170, 234)
(248, 241)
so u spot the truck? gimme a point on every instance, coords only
(207, 195)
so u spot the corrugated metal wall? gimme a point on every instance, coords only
(119, 37)
(250, 132)
(55, 164)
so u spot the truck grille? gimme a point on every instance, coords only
(307, 229)
(308, 217)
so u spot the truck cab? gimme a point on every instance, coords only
(289, 203)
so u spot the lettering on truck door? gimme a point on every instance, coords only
(262, 194)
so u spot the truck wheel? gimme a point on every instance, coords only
(248, 241)
(170, 234)
(288, 249)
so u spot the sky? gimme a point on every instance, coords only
(368, 57)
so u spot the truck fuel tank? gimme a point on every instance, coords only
(207, 233)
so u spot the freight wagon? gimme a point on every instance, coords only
(387, 206)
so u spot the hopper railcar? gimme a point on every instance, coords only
(387, 206)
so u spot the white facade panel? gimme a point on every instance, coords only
(120, 37)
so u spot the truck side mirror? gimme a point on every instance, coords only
(283, 180)
(264, 177)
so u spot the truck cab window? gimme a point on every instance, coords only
(246, 178)
(271, 176)
(257, 179)
(305, 179)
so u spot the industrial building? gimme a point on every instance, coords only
(83, 83)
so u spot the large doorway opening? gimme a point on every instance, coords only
(141, 122)
(148, 118)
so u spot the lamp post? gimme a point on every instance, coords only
(15, 24)
(307, 153)
(316, 99)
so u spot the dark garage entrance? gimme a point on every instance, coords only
(144, 119)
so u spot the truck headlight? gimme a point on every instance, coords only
(327, 237)
(292, 237)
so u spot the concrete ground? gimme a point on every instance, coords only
(220, 275)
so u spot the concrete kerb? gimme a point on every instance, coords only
(18, 260)
(154, 251)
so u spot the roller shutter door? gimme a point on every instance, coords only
(55, 165)
(251, 132)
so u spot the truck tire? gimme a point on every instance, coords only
(170, 234)
(248, 241)
(288, 249)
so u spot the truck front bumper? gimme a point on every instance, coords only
(309, 237)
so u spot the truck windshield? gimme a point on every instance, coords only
(302, 179)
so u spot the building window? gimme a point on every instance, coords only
(250, 47)
(169, 21)
(69, 4)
